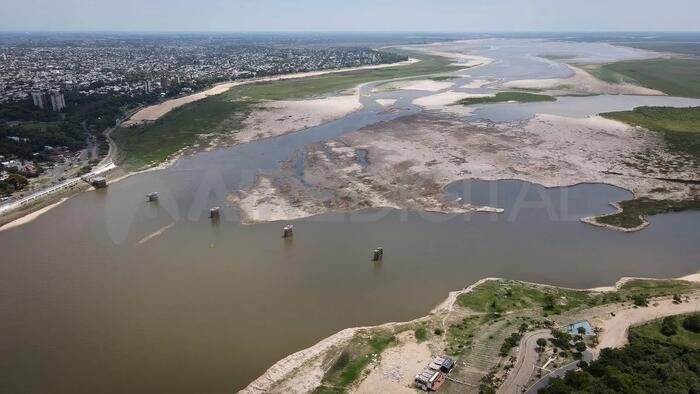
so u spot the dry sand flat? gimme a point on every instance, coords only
(581, 82)
(441, 100)
(280, 117)
(425, 85)
(616, 328)
(395, 371)
(410, 160)
(261, 204)
(154, 112)
(446, 102)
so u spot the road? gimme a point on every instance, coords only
(100, 169)
(557, 373)
(519, 376)
(106, 165)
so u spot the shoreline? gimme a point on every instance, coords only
(156, 111)
(32, 215)
(287, 366)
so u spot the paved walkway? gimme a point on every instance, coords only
(557, 373)
(519, 376)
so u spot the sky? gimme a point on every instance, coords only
(350, 15)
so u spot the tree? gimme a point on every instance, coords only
(640, 300)
(541, 343)
(549, 302)
(581, 330)
(645, 365)
(668, 326)
(580, 346)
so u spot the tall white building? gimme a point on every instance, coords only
(39, 99)
(57, 100)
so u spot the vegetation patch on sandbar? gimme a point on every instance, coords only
(503, 97)
(633, 213)
(680, 127)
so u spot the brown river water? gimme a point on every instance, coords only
(95, 299)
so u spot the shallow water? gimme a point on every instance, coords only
(207, 307)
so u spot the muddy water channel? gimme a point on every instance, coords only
(108, 293)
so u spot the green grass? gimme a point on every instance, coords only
(461, 335)
(37, 126)
(502, 97)
(675, 77)
(421, 334)
(680, 127)
(686, 48)
(354, 359)
(682, 338)
(634, 212)
(498, 297)
(657, 288)
(666, 119)
(338, 82)
(439, 78)
(151, 143)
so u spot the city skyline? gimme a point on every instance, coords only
(358, 16)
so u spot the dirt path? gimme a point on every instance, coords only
(616, 328)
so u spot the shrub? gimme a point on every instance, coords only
(421, 334)
(692, 323)
(668, 326)
(640, 299)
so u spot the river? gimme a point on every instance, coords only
(90, 304)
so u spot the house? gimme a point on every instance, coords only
(429, 380)
(442, 364)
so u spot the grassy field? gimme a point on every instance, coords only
(682, 338)
(680, 127)
(498, 297)
(503, 97)
(149, 144)
(666, 119)
(685, 48)
(656, 288)
(675, 77)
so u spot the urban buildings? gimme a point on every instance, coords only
(131, 66)
(53, 97)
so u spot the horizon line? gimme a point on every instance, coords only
(359, 31)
